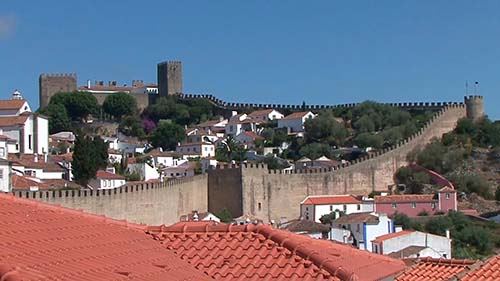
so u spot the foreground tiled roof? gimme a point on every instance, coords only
(429, 269)
(384, 237)
(259, 252)
(489, 271)
(330, 200)
(404, 198)
(44, 242)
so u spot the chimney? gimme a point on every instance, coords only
(45, 156)
(233, 113)
(88, 84)
(195, 216)
(448, 233)
(35, 158)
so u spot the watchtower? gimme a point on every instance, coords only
(474, 107)
(169, 78)
(50, 84)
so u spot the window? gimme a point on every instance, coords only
(307, 217)
(231, 128)
(413, 204)
(104, 183)
(447, 196)
(259, 206)
(345, 208)
(357, 227)
(394, 205)
(206, 148)
(376, 249)
(359, 207)
(433, 205)
(1, 174)
(2, 152)
(307, 208)
(29, 142)
(331, 208)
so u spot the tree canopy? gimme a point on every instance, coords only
(119, 104)
(167, 135)
(78, 104)
(89, 155)
(58, 117)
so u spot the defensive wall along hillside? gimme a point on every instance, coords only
(273, 194)
(152, 204)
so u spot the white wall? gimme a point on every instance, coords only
(320, 210)
(439, 244)
(5, 177)
(385, 226)
(28, 131)
(43, 135)
(295, 125)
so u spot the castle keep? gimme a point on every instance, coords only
(50, 84)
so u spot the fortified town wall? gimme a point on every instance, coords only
(255, 190)
(275, 194)
(152, 204)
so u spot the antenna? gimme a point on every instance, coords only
(476, 87)
(466, 87)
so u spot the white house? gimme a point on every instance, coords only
(295, 121)
(212, 125)
(266, 114)
(29, 130)
(181, 171)
(305, 227)
(106, 180)
(15, 106)
(5, 171)
(315, 206)
(199, 216)
(146, 171)
(198, 149)
(247, 138)
(412, 244)
(359, 229)
(208, 163)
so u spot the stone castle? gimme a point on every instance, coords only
(169, 83)
(251, 189)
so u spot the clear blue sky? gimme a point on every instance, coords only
(262, 51)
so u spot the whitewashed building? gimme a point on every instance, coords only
(106, 180)
(199, 149)
(315, 206)
(295, 121)
(266, 114)
(359, 229)
(412, 244)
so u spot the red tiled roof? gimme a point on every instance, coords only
(357, 218)
(404, 198)
(490, 270)
(296, 115)
(331, 200)
(384, 237)
(107, 175)
(259, 252)
(45, 242)
(429, 269)
(253, 135)
(261, 112)
(68, 157)
(28, 161)
(11, 104)
(13, 120)
(24, 183)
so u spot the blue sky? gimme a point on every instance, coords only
(262, 51)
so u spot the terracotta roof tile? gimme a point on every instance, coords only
(305, 226)
(25, 183)
(101, 174)
(331, 200)
(44, 242)
(261, 112)
(11, 104)
(357, 218)
(296, 115)
(404, 198)
(384, 237)
(488, 271)
(253, 135)
(259, 252)
(13, 120)
(430, 269)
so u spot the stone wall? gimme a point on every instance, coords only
(152, 204)
(273, 194)
(50, 84)
(141, 99)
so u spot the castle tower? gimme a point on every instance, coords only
(474, 107)
(169, 78)
(50, 84)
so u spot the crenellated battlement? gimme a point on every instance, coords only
(233, 105)
(70, 75)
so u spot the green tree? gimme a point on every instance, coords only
(131, 126)
(167, 135)
(369, 140)
(497, 193)
(225, 216)
(78, 104)
(119, 104)
(329, 218)
(325, 129)
(316, 150)
(89, 155)
(58, 118)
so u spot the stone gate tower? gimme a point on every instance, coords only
(169, 78)
(474, 107)
(50, 84)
